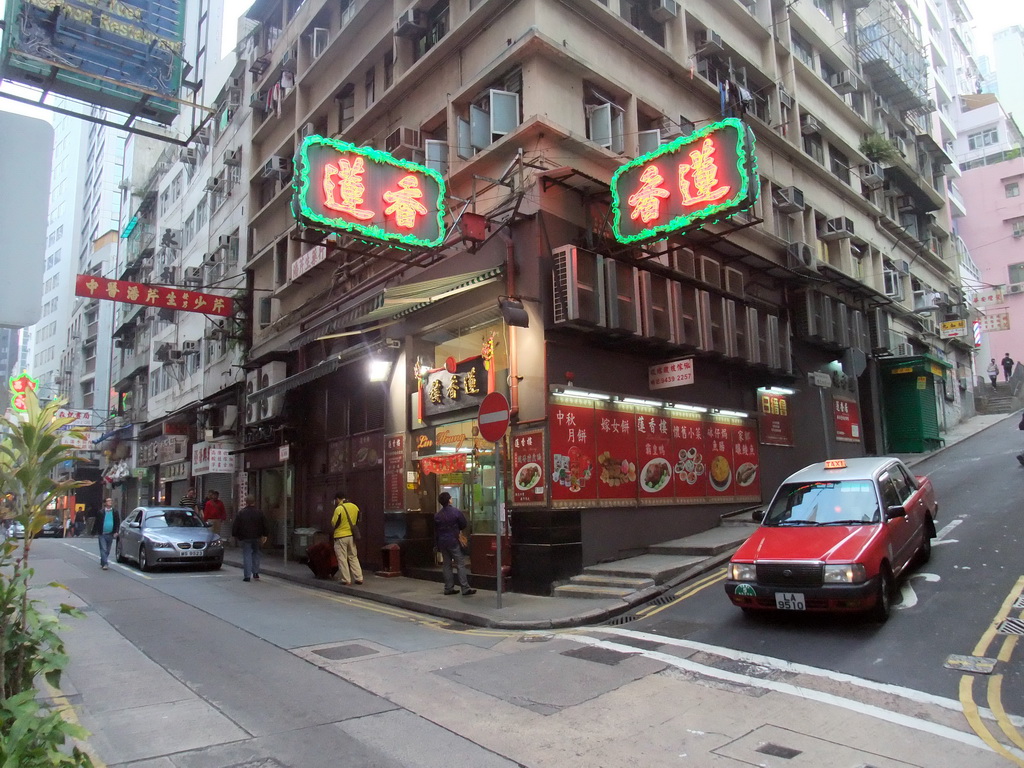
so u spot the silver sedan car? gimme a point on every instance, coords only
(155, 536)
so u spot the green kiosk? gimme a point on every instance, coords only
(911, 389)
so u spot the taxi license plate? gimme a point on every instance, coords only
(790, 601)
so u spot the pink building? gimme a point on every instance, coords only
(989, 152)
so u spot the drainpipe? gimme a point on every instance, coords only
(513, 362)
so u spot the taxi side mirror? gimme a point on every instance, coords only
(896, 510)
(758, 515)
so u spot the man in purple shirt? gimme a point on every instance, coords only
(448, 522)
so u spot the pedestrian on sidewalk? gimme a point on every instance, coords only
(107, 524)
(993, 372)
(189, 499)
(448, 522)
(79, 522)
(214, 511)
(346, 527)
(250, 530)
(1007, 363)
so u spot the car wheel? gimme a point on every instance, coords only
(924, 553)
(143, 559)
(883, 598)
(119, 552)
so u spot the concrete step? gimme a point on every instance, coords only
(706, 543)
(626, 582)
(660, 568)
(591, 591)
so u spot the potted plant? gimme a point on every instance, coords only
(878, 149)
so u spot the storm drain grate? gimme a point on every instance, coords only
(1011, 627)
(1019, 603)
(339, 652)
(618, 620)
(775, 750)
(663, 600)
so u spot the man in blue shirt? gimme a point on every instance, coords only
(107, 523)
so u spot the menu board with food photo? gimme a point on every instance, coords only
(616, 467)
(367, 450)
(528, 468)
(655, 457)
(747, 479)
(718, 432)
(573, 452)
(689, 457)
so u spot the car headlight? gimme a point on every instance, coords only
(849, 573)
(742, 572)
(215, 544)
(157, 544)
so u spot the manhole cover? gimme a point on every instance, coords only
(776, 750)
(1011, 627)
(600, 655)
(978, 664)
(338, 652)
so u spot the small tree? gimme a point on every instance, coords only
(878, 149)
(31, 735)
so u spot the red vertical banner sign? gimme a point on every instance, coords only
(655, 458)
(689, 456)
(528, 472)
(776, 425)
(573, 452)
(847, 419)
(394, 473)
(746, 464)
(617, 466)
(720, 438)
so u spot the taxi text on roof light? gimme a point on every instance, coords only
(835, 464)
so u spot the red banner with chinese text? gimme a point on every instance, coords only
(93, 287)
(690, 458)
(616, 468)
(847, 420)
(528, 470)
(655, 457)
(443, 465)
(776, 424)
(573, 453)
(746, 462)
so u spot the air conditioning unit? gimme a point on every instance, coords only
(785, 98)
(800, 257)
(881, 107)
(233, 98)
(214, 184)
(1015, 288)
(224, 241)
(903, 350)
(902, 266)
(270, 374)
(410, 24)
(203, 135)
(809, 125)
(578, 283)
(252, 384)
(1018, 234)
(123, 344)
(711, 42)
(904, 203)
(175, 355)
(789, 199)
(233, 157)
(210, 260)
(837, 229)
(189, 155)
(664, 10)
(901, 145)
(277, 166)
(193, 275)
(872, 174)
(308, 129)
(403, 142)
(846, 81)
(190, 347)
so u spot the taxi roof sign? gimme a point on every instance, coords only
(835, 464)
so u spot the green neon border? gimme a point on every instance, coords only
(304, 215)
(744, 153)
(14, 394)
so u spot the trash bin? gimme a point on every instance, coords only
(301, 539)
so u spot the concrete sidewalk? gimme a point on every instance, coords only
(533, 611)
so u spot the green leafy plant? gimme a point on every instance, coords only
(878, 149)
(32, 735)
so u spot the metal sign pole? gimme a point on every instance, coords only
(499, 504)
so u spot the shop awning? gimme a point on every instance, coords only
(402, 300)
(323, 368)
(112, 433)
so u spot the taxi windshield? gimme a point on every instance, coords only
(844, 502)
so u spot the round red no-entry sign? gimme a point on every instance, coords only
(493, 417)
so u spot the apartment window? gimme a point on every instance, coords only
(814, 147)
(493, 114)
(839, 164)
(389, 70)
(985, 138)
(825, 6)
(1012, 189)
(346, 107)
(370, 83)
(605, 120)
(892, 281)
(803, 49)
(437, 28)
(1016, 273)
(639, 14)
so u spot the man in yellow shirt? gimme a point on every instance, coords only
(346, 515)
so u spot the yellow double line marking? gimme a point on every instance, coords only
(995, 684)
(688, 591)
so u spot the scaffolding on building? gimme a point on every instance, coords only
(893, 58)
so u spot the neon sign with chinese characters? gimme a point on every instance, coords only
(339, 186)
(20, 386)
(695, 179)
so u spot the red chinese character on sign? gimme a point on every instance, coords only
(703, 172)
(405, 202)
(646, 201)
(344, 188)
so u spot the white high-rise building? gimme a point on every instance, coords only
(1008, 55)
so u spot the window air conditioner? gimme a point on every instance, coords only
(837, 229)
(785, 98)
(403, 142)
(809, 125)
(710, 42)
(214, 184)
(789, 199)
(210, 260)
(800, 257)
(277, 166)
(190, 347)
(1016, 287)
(193, 275)
(224, 241)
(410, 24)
(233, 157)
(872, 174)
(664, 10)
(189, 155)
(846, 81)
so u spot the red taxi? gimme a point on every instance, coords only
(836, 537)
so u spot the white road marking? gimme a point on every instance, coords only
(803, 669)
(945, 541)
(947, 528)
(908, 597)
(794, 690)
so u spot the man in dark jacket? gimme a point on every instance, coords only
(107, 523)
(448, 522)
(250, 529)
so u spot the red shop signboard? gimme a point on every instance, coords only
(733, 470)
(847, 419)
(573, 453)
(616, 468)
(394, 472)
(528, 471)
(776, 424)
(655, 457)
(690, 457)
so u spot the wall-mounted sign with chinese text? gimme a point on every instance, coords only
(212, 459)
(677, 373)
(94, 287)
(366, 192)
(776, 424)
(847, 419)
(953, 329)
(311, 258)
(443, 391)
(76, 434)
(443, 464)
(988, 297)
(367, 450)
(693, 180)
(528, 468)
(394, 473)
(995, 321)
(573, 467)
